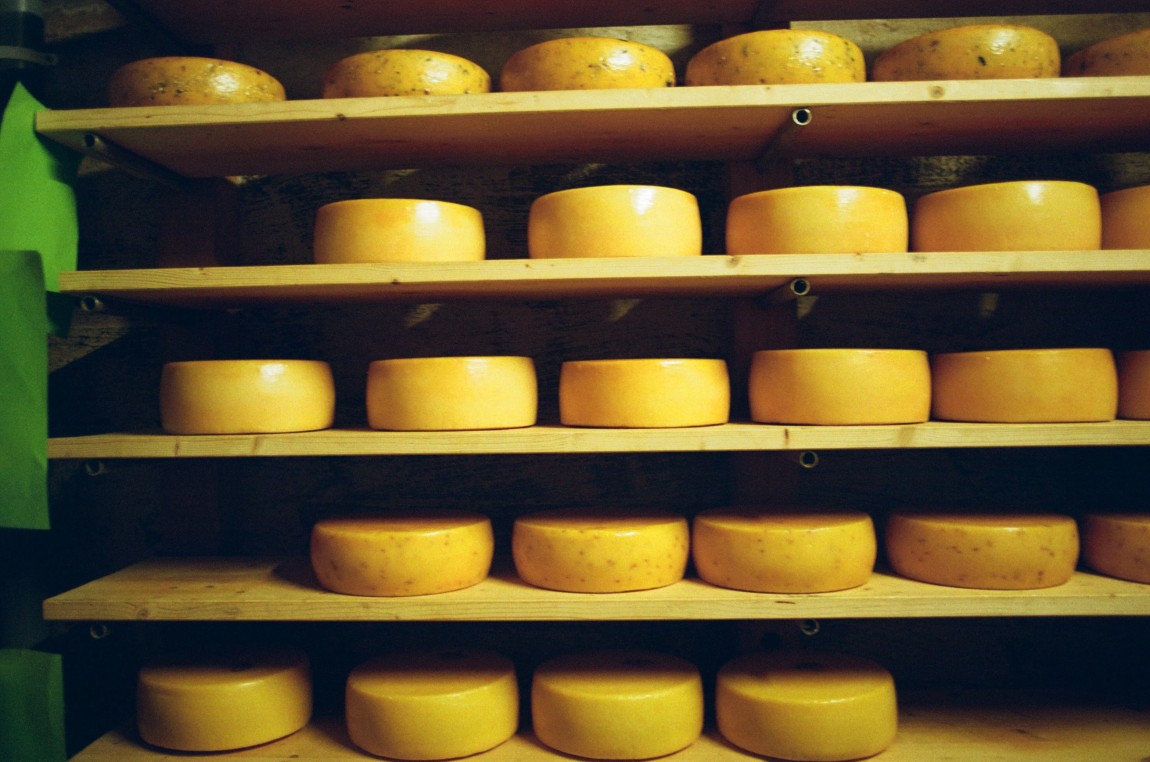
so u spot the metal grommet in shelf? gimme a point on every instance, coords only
(95, 468)
(99, 631)
(809, 627)
(92, 304)
(801, 117)
(806, 459)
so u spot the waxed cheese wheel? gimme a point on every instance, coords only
(984, 551)
(1117, 545)
(1122, 56)
(432, 704)
(599, 551)
(1126, 218)
(617, 704)
(398, 230)
(976, 51)
(402, 553)
(190, 80)
(766, 551)
(404, 72)
(1134, 385)
(777, 57)
(587, 63)
(644, 393)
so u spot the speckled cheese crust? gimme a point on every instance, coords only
(644, 393)
(587, 63)
(1134, 385)
(190, 80)
(398, 230)
(1122, 56)
(1117, 545)
(404, 72)
(977, 51)
(777, 57)
(1126, 218)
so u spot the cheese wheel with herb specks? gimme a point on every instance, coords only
(191, 81)
(777, 57)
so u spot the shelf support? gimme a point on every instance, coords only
(134, 164)
(778, 146)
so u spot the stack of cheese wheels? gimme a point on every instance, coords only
(1126, 218)
(404, 72)
(1025, 386)
(587, 63)
(1117, 545)
(777, 57)
(1052, 215)
(985, 551)
(767, 551)
(977, 51)
(599, 551)
(806, 706)
(402, 554)
(644, 393)
(246, 396)
(398, 230)
(433, 704)
(615, 221)
(1134, 385)
(190, 80)
(617, 704)
(842, 387)
(230, 699)
(817, 219)
(1122, 56)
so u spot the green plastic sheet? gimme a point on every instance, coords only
(31, 706)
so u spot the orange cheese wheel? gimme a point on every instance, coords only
(1126, 218)
(817, 219)
(990, 552)
(977, 51)
(451, 393)
(1121, 56)
(644, 393)
(246, 396)
(190, 80)
(1117, 545)
(617, 704)
(404, 72)
(1134, 385)
(399, 554)
(1025, 386)
(398, 230)
(777, 57)
(587, 63)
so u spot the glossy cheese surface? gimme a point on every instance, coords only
(398, 230)
(1126, 218)
(1134, 385)
(976, 51)
(192, 81)
(404, 72)
(777, 57)
(587, 63)
(1117, 545)
(1122, 56)
(644, 393)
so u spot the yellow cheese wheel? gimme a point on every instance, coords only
(398, 230)
(840, 386)
(977, 51)
(404, 72)
(433, 704)
(230, 699)
(985, 551)
(398, 554)
(246, 396)
(817, 219)
(190, 80)
(766, 551)
(587, 63)
(1010, 216)
(600, 551)
(451, 393)
(617, 704)
(644, 393)
(1125, 55)
(818, 707)
(1025, 386)
(1117, 545)
(777, 57)
(615, 221)
(1126, 218)
(1134, 385)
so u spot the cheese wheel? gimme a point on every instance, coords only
(644, 393)
(434, 704)
(1122, 56)
(819, 707)
(190, 80)
(246, 396)
(600, 551)
(230, 699)
(587, 63)
(977, 51)
(615, 221)
(1134, 385)
(1126, 218)
(1025, 386)
(1117, 545)
(990, 552)
(773, 552)
(451, 393)
(399, 554)
(1010, 216)
(617, 704)
(777, 57)
(398, 230)
(403, 72)
(848, 387)
(817, 219)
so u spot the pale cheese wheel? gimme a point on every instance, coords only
(190, 80)
(617, 704)
(1126, 218)
(1025, 386)
(451, 393)
(976, 51)
(644, 393)
(404, 71)
(848, 387)
(246, 396)
(816, 707)
(777, 57)
(398, 230)
(402, 553)
(767, 551)
(984, 551)
(1122, 56)
(433, 704)
(600, 551)
(1117, 545)
(1134, 385)
(587, 63)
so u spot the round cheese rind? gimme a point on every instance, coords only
(400, 554)
(190, 80)
(841, 387)
(587, 63)
(816, 707)
(434, 704)
(765, 551)
(976, 51)
(989, 552)
(644, 393)
(777, 57)
(451, 393)
(1126, 218)
(1134, 385)
(617, 704)
(1117, 545)
(246, 396)
(1025, 386)
(1122, 56)
(404, 72)
(600, 551)
(398, 230)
